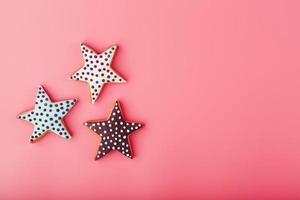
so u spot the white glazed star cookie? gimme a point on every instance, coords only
(97, 70)
(48, 116)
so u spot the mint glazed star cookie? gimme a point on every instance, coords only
(48, 116)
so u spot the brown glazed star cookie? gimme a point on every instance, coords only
(114, 133)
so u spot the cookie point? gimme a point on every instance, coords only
(122, 81)
(73, 101)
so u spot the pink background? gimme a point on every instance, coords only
(216, 83)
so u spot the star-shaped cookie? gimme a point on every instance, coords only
(47, 116)
(97, 70)
(114, 133)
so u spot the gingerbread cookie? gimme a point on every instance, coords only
(47, 116)
(114, 133)
(97, 70)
